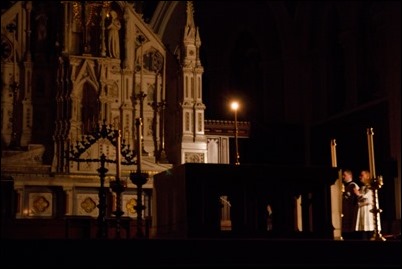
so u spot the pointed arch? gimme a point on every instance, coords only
(86, 73)
(162, 15)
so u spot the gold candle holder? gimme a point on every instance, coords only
(375, 185)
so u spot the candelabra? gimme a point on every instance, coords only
(118, 186)
(159, 107)
(139, 179)
(74, 154)
(375, 185)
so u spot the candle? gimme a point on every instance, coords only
(333, 153)
(118, 146)
(370, 134)
(141, 63)
(138, 123)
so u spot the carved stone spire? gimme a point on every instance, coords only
(189, 30)
(193, 146)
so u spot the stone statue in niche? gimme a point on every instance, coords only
(113, 36)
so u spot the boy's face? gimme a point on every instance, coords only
(364, 177)
(346, 176)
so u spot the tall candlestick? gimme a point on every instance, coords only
(370, 134)
(139, 179)
(118, 156)
(375, 184)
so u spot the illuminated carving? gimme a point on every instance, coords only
(88, 205)
(40, 204)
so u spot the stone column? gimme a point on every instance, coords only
(19, 212)
(69, 200)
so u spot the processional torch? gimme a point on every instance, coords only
(375, 185)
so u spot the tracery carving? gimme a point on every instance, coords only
(194, 157)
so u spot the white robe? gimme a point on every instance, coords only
(365, 218)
